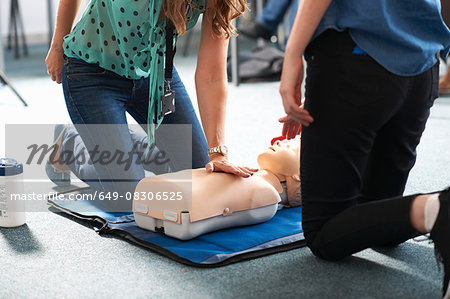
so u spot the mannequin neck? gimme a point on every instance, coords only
(272, 179)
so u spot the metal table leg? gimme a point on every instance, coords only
(259, 9)
(50, 21)
(235, 58)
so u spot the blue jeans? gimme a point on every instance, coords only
(274, 11)
(97, 96)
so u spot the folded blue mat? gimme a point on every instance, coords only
(283, 232)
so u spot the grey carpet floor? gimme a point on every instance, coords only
(53, 256)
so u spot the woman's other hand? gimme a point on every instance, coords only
(309, 14)
(290, 91)
(67, 11)
(291, 128)
(54, 61)
(219, 163)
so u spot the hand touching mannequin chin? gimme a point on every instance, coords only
(192, 202)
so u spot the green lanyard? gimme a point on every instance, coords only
(165, 104)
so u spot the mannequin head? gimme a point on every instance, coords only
(282, 158)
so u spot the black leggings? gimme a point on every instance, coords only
(357, 154)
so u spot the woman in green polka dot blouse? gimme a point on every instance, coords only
(113, 61)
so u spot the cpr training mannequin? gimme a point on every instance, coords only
(189, 203)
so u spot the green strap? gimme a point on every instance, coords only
(156, 49)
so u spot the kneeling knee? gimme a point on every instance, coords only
(324, 254)
(323, 251)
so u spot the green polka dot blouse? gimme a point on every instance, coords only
(126, 37)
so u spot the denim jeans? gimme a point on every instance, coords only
(274, 11)
(93, 96)
(357, 154)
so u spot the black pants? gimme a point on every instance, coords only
(357, 154)
(446, 11)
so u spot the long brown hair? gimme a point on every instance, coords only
(220, 14)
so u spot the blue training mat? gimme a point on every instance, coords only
(283, 232)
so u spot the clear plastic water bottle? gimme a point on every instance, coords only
(12, 210)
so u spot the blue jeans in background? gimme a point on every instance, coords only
(274, 11)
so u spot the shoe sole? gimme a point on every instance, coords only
(54, 171)
(57, 144)
(445, 196)
(51, 172)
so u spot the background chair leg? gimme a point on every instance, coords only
(4, 80)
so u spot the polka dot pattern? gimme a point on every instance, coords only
(123, 37)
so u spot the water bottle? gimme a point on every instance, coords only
(12, 208)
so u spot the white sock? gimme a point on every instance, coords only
(431, 211)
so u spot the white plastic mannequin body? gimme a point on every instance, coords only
(192, 202)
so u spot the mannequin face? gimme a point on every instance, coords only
(282, 158)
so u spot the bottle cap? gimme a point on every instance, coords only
(9, 167)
